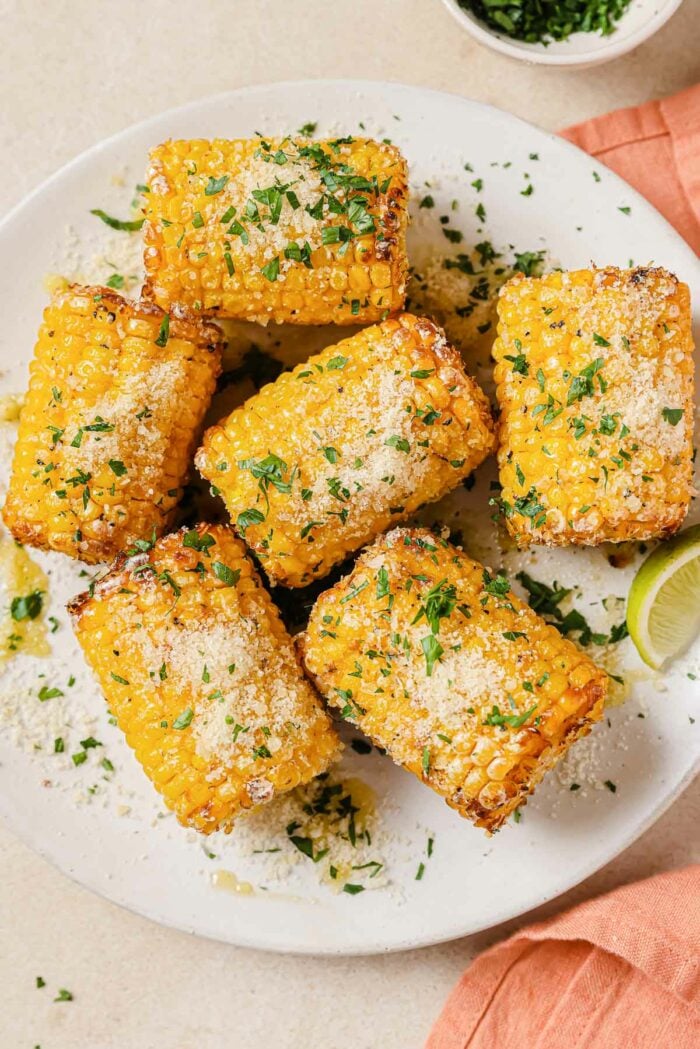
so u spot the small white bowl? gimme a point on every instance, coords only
(641, 20)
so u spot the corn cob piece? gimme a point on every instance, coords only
(438, 662)
(595, 383)
(352, 441)
(202, 677)
(117, 395)
(283, 230)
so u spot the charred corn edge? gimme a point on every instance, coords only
(311, 756)
(545, 537)
(317, 560)
(185, 323)
(523, 530)
(590, 699)
(493, 819)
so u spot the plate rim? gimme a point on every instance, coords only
(352, 83)
(25, 832)
(376, 947)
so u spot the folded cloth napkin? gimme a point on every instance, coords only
(618, 972)
(656, 148)
(622, 971)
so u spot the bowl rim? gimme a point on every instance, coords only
(538, 53)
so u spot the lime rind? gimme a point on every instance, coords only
(663, 607)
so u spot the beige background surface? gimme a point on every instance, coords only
(72, 73)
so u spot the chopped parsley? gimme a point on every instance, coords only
(268, 471)
(399, 443)
(215, 185)
(497, 586)
(439, 604)
(198, 542)
(528, 262)
(129, 225)
(382, 583)
(582, 384)
(672, 415)
(45, 692)
(27, 607)
(546, 599)
(227, 575)
(537, 23)
(271, 270)
(306, 846)
(184, 719)
(117, 467)
(512, 720)
(164, 332)
(247, 518)
(529, 505)
(519, 362)
(432, 650)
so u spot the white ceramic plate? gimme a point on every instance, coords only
(116, 840)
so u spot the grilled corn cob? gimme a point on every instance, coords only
(332, 453)
(202, 677)
(440, 664)
(284, 230)
(595, 383)
(116, 397)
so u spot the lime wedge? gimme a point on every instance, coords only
(663, 607)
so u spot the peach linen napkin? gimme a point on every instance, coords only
(618, 972)
(656, 148)
(621, 971)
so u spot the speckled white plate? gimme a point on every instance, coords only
(116, 840)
